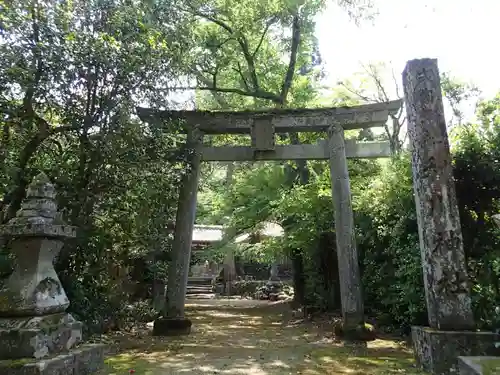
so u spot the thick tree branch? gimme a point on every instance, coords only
(218, 22)
(242, 41)
(250, 61)
(242, 76)
(287, 82)
(15, 197)
(37, 62)
(218, 98)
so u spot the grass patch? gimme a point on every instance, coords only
(490, 366)
(126, 363)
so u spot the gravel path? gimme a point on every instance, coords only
(249, 337)
(228, 337)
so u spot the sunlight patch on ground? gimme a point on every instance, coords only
(255, 341)
(380, 357)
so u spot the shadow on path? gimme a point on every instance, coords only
(253, 339)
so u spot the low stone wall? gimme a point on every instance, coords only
(437, 351)
(259, 289)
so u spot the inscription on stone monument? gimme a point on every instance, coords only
(262, 133)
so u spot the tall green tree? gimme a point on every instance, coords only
(71, 75)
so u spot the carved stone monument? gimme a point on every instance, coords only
(37, 336)
(451, 330)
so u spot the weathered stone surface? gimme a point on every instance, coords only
(349, 275)
(183, 233)
(172, 327)
(496, 219)
(283, 120)
(318, 151)
(469, 366)
(34, 287)
(41, 187)
(89, 358)
(441, 244)
(262, 134)
(37, 337)
(39, 228)
(437, 351)
(85, 360)
(38, 212)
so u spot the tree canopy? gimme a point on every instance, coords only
(72, 74)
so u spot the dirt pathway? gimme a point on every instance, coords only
(254, 339)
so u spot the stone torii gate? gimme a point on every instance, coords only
(262, 127)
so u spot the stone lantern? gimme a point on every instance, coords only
(37, 335)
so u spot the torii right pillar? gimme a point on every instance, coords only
(451, 331)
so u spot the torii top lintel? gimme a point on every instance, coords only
(283, 120)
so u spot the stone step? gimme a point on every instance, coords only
(206, 296)
(200, 280)
(199, 289)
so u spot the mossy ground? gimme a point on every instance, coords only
(15, 363)
(380, 357)
(255, 341)
(490, 366)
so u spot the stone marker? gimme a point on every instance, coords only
(274, 271)
(37, 336)
(452, 328)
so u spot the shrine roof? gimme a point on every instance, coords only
(207, 233)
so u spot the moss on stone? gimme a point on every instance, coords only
(490, 366)
(51, 323)
(361, 332)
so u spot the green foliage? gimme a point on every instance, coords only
(389, 247)
(477, 178)
(71, 75)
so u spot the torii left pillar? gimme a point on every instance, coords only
(173, 322)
